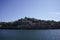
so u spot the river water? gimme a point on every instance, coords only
(29, 34)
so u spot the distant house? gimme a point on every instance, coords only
(19, 26)
(0, 25)
(26, 21)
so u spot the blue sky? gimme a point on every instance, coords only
(11, 10)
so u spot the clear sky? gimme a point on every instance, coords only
(11, 10)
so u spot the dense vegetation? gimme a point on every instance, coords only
(30, 23)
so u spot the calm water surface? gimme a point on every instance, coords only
(29, 34)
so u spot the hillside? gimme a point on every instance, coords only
(30, 23)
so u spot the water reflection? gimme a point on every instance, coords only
(29, 34)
